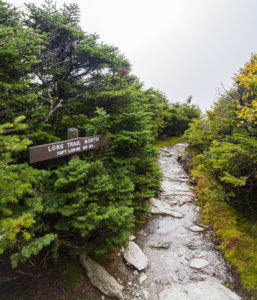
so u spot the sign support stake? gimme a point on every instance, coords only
(73, 133)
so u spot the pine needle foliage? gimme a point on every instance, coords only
(53, 76)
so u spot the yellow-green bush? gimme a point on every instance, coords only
(235, 232)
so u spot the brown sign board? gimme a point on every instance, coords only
(68, 147)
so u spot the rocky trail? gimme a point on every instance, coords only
(173, 256)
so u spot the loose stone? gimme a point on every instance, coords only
(132, 238)
(196, 228)
(199, 263)
(142, 278)
(163, 245)
(134, 256)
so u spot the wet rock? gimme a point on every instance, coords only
(162, 208)
(196, 228)
(100, 278)
(142, 278)
(134, 256)
(199, 263)
(210, 289)
(160, 244)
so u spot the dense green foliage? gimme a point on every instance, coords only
(224, 144)
(177, 117)
(55, 76)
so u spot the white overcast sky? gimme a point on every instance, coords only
(181, 47)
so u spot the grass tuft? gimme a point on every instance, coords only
(171, 141)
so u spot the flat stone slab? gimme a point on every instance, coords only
(199, 263)
(134, 256)
(100, 278)
(160, 245)
(209, 289)
(162, 208)
(196, 228)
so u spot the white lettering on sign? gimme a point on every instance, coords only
(91, 140)
(62, 152)
(62, 148)
(73, 143)
(55, 147)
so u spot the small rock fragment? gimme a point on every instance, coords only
(192, 246)
(142, 278)
(196, 228)
(132, 238)
(163, 245)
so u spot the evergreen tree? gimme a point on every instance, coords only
(58, 76)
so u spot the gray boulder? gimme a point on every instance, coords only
(100, 278)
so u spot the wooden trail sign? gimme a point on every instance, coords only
(68, 147)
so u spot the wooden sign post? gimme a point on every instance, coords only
(71, 146)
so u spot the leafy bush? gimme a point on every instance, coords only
(176, 118)
(224, 144)
(227, 141)
(21, 200)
